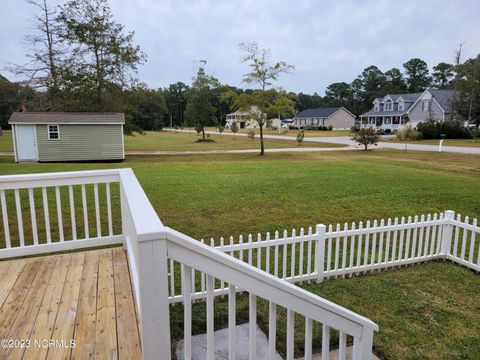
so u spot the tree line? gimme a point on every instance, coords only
(81, 59)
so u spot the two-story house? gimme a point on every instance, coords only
(395, 110)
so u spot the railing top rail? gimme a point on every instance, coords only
(148, 225)
(193, 253)
(22, 181)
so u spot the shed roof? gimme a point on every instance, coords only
(73, 118)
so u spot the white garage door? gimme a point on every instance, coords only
(26, 143)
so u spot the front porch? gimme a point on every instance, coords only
(384, 122)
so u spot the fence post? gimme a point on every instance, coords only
(320, 252)
(154, 305)
(447, 228)
(362, 348)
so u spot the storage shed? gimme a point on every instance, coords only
(57, 136)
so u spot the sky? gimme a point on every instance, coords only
(326, 41)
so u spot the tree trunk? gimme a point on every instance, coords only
(203, 132)
(366, 146)
(262, 147)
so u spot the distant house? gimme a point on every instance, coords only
(50, 136)
(242, 118)
(338, 118)
(395, 110)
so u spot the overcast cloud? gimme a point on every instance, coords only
(327, 41)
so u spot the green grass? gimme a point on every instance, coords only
(172, 141)
(447, 142)
(221, 195)
(6, 142)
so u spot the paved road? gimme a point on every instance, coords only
(346, 140)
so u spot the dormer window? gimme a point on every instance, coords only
(425, 104)
(388, 106)
(401, 104)
(376, 106)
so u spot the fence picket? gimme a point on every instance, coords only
(352, 249)
(300, 260)
(275, 260)
(367, 246)
(344, 249)
(464, 240)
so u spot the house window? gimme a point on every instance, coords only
(53, 132)
(400, 105)
(376, 106)
(388, 105)
(425, 105)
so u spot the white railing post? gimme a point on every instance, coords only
(320, 252)
(447, 228)
(362, 348)
(154, 304)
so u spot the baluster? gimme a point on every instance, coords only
(352, 250)
(300, 260)
(259, 251)
(464, 239)
(337, 250)
(18, 206)
(308, 339)
(367, 247)
(272, 330)
(293, 256)
(210, 319)
(47, 215)
(284, 259)
(359, 247)
(172, 278)
(325, 342)
(187, 310)
(59, 213)
(97, 210)
(275, 265)
(33, 215)
(342, 346)
(309, 251)
(374, 243)
(232, 322)
(267, 254)
(109, 209)
(72, 212)
(427, 235)
(252, 326)
(6, 226)
(472, 242)
(344, 250)
(457, 231)
(395, 238)
(290, 334)
(85, 212)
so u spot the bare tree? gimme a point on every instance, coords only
(262, 71)
(42, 69)
(458, 59)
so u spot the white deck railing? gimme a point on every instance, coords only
(43, 213)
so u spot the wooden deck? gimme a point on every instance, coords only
(85, 297)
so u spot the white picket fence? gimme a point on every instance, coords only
(340, 251)
(43, 213)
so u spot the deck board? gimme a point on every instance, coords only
(84, 296)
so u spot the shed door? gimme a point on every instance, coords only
(26, 142)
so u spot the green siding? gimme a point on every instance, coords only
(81, 143)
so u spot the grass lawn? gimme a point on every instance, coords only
(171, 141)
(447, 142)
(6, 142)
(221, 195)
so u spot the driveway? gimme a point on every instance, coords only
(346, 140)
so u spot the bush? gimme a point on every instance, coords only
(251, 134)
(387, 131)
(354, 129)
(367, 137)
(330, 128)
(452, 130)
(408, 132)
(300, 137)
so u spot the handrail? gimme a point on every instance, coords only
(191, 252)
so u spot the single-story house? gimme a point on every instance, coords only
(395, 110)
(59, 136)
(338, 118)
(242, 118)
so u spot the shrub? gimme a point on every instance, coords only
(408, 132)
(354, 129)
(330, 128)
(251, 134)
(367, 137)
(300, 137)
(234, 127)
(452, 130)
(387, 131)
(221, 129)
